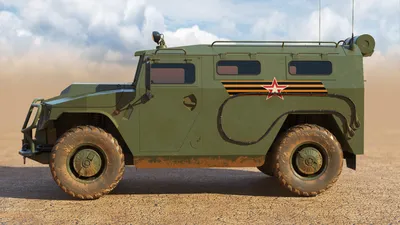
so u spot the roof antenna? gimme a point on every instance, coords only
(352, 28)
(319, 39)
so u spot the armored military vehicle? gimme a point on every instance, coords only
(292, 109)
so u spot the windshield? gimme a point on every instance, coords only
(138, 68)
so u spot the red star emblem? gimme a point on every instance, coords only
(274, 89)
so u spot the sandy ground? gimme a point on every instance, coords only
(203, 196)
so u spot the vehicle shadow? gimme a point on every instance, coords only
(37, 183)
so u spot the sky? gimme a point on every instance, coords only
(100, 36)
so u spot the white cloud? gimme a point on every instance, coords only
(192, 35)
(113, 56)
(101, 30)
(15, 37)
(154, 20)
(333, 26)
(9, 23)
(134, 11)
(228, 26)
(212, 11)
(22, 33)
(266, 28)
(130, 35)
(112, 30)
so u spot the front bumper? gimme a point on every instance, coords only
(28, 143)
(31, 148)
(27, 152)
(40, 155)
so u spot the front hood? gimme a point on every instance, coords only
(79, 95)
(78, 89)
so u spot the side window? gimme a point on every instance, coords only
(172, 73)
(310, 68)
(230, 67)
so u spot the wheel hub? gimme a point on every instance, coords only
(309, 160)
(87, 162)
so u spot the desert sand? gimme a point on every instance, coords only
(199, 196)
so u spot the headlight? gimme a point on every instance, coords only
(156, 37)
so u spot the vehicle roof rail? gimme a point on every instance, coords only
(171, 49)
(282, 43)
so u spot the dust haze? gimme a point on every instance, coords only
(46, 75)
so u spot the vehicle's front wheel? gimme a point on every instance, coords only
(309, 160)
(86, 162)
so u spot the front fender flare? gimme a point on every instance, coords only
(57, 112)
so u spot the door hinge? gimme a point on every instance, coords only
(324, 56)
(222, 55)
(253, 55)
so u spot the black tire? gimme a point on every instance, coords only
(95, 153)
(309, 160)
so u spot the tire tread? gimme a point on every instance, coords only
(86, 129)
(298, 130)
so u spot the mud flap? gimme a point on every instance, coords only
(350, 160)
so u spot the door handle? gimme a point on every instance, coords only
(190, 102)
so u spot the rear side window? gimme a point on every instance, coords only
(238, 67)
(172, 73)
(310, 68)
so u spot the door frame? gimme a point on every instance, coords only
(172, 58)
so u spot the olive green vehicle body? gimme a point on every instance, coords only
(201, 124)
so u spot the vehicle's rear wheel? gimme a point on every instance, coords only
(309, 160)
(86, 162)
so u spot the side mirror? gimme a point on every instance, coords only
(148, 80)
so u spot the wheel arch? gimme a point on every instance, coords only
(324, 120)
(316, 169)
(68, 120)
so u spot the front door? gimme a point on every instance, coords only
(167, 118)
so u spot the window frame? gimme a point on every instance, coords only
(183, 66)
(310, 74)
(238, 74)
